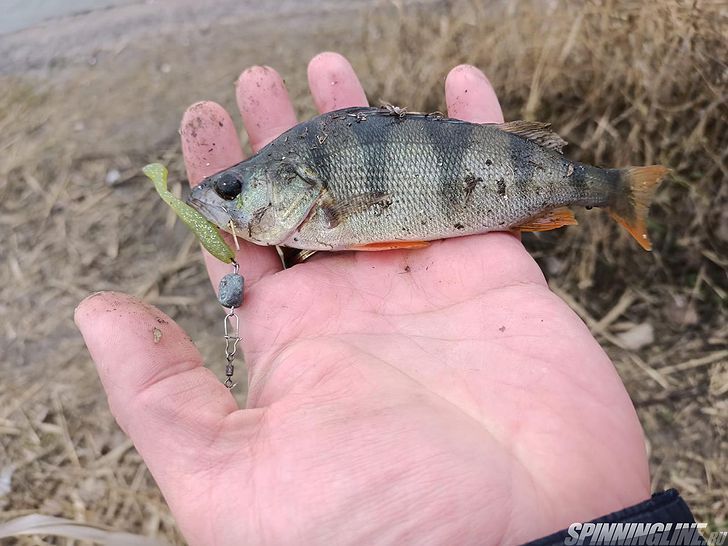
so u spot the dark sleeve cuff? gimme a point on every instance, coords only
(667, 508)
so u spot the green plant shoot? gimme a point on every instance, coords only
(205, 231)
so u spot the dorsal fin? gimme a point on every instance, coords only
(538, 132)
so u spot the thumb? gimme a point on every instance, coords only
(160, 394)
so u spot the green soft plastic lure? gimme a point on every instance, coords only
(205, 231)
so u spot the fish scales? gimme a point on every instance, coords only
(362, 176)
(424, 166)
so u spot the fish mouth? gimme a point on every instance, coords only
(214, 212)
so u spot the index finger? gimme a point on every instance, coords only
(471, 97)
(334, 83)
(264, 105)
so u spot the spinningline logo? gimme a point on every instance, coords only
(648, 534)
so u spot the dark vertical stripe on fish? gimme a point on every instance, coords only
(616, 188)
(316, 138)
(578, 177)
(522, 161)
(449, 159)
(372, 136)
(614, 179)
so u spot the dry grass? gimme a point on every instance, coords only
(625, 82)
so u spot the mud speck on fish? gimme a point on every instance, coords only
(501, 187)
(471, 181)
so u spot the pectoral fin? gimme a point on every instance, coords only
(552, 219)
(336, 211)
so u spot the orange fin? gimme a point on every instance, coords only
(552, 219)
(394, 245)
(631, 205)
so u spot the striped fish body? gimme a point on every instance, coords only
(369, 178)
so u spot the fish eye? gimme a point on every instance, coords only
(227, 186)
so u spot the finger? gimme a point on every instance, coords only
(264, 105)
(158, 391)
(471, 97)
(334, 83)
(209, 141)
(210, 144)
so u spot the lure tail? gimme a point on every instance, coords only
(205, 231)
(632, 199)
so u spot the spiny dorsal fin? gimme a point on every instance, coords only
(538, 132)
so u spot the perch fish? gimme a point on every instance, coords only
(382, 178)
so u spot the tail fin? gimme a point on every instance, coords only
(632, 202)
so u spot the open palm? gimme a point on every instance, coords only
(433, 396)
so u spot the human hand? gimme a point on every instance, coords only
(433, 396)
